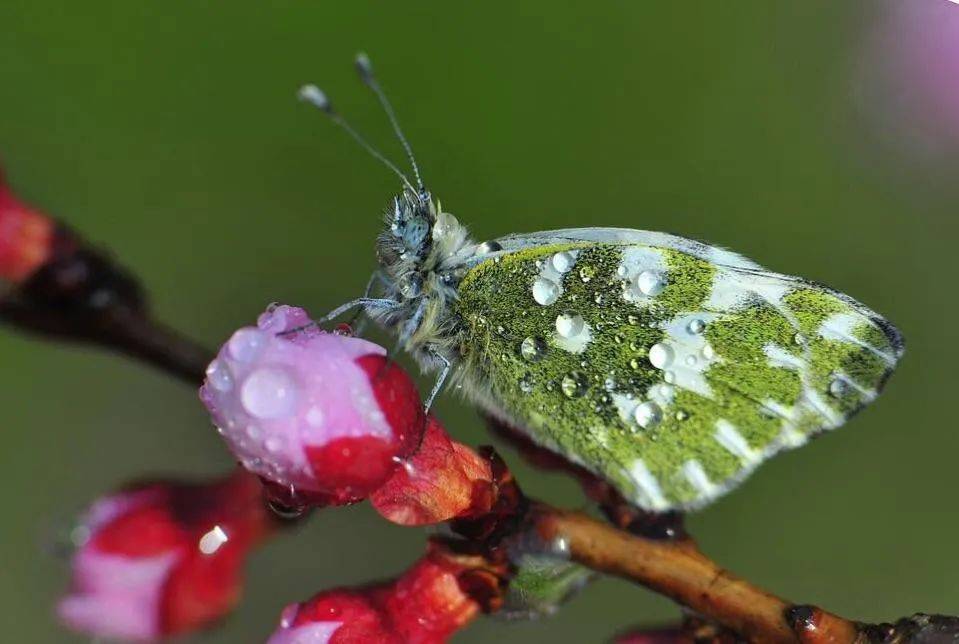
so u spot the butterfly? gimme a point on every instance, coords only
(669, 367)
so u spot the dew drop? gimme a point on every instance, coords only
(660, 355)
(670, 377)
(314, 416)
(246, 344)
(572, 385)
(545, 291)
(343, 329)
(708, 352)
(598, 298)
(211, 541)
(273, 444)
(587, 273)
(634, 363)
(650, 283)
(219, 376)
(696, 326)
(621, 271)
(799, 338)
(838, 387)
(269, 392)
(648, 414)
(681, 415)
(569, 325)
(526, 384)
(254, 432)
(488, 247)
(690, 360)
(563, 262)
(289, 615)
(632, 319)
(533, 349)
(609, 384)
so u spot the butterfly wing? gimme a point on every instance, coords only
(669, 367)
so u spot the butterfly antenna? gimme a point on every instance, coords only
(316, 97)
(365, 69)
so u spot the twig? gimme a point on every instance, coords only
(678, 570)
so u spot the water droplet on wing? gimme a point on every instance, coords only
(838, 387)
(569, 325)
(648, 414)
(545, 291)
(573, 385)
(488, 247)
(660, 355)
(526, 384)
(533, 349)
(650, 283)
(563, 262)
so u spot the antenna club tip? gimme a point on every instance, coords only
(364, 66)
(315, 96)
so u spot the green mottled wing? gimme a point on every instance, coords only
(669, 367)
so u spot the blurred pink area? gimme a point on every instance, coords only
(909, 76)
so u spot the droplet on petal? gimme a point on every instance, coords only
(246, 344)
(315, 416)
(696, 326)
(269, 392)
(219, 376)
(211, 541)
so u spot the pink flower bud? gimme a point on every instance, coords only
(443, 479)
(163, 558)
(424, 606)
(26, 237)
(323, 415)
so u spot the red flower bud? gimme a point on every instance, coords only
(424, 606)
(26, 237)
(163, 558)
(442, 480)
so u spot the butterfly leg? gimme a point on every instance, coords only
(340, 310)
(359, 326)
(447, 367)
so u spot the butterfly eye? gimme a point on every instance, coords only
(416, 232)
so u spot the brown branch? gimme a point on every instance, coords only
(678, 570)
(80, 295)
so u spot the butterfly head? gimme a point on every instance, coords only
(404, 246)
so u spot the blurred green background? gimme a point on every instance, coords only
(170, 133)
